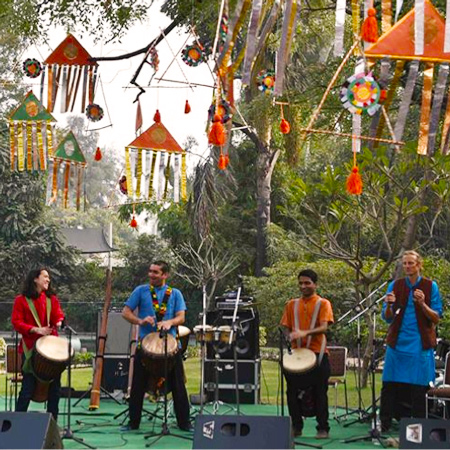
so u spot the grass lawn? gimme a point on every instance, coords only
(270, 383)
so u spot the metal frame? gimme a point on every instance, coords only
(434, 394)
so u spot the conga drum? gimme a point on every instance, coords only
(204, 333)
(301, 360)
(183, 335)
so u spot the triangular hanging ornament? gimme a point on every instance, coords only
(69, 150)
(31, 109)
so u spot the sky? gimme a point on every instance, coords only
(116, 95)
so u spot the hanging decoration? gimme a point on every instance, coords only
(31, 135)
(133, 222)
(339, 27)
(67, 67)
(217, 135)
(369, 29)
(223, 160)
(361, 93)
(94, 112)
(67, 156)
(223, 110)
(98, 154)
(187, 108)
(266, 81)
(285, 126)
(193, 54)
(123, 185)
(141, 157)
(32, 67)
(154, 59)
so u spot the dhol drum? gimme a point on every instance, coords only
(204, 333)
(301, 360)
(183, 335)
(153, 353)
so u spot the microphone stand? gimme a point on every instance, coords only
(284, 340)
(68, 433)
(232, 342)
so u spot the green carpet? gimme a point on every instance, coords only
(101, 428)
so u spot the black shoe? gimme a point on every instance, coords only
(126, 428)
(186, 427)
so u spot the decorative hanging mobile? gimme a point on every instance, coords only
(133, 221)
(193, 54)
(266, 81)
(98, 154)
(361, 93)
(94, 112)
(68, 155)
(31, 135)
(223, 109)
(285, 126)
(155, 145)
(123, 185)
(32, 67)
(68, 66)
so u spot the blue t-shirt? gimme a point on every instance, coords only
(141, 298)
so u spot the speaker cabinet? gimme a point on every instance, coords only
(247, 337)
(118, 334)
(115, 372)
(248, 380)
(213, 431)
(28, 430)
(424, 433)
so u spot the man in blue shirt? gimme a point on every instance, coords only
(159, 307)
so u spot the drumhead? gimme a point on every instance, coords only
(183, 331)
(153, 345)
(225, 328)
(53, 348)
(201, 328)
(301, 360)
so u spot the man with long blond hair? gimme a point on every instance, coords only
(412, 308)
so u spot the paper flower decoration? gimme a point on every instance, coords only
(223, 110)
(32, 67)
(193, 55)
(123, 184)
(361, 93)
(94, 112)
(266, 81)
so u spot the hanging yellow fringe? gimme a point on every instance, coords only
(54, 181)
(139, 173)
(386, 15)
(42, 160)
(422, 146)
(12, 144)
(66, 184)
(167, 175)
(183, 177)
(128, 171)
(152, 176)
(29, 150)
(49, 139)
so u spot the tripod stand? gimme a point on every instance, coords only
(165, 431)
(284, 339)
(68, 433)
(374, 433)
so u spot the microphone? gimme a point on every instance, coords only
(162, 333)
(286, 340)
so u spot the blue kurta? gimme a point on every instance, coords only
(408, 362)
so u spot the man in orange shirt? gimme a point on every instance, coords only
(305, 321)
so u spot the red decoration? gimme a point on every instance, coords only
(217, 134)
(133, 223)
(123, 185)
(354, 182)
(222, 163)
(187, 108)
(98, 154)
(157, 116)
(285, 127)
(369, 29)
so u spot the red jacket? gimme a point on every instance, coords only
(23, 321)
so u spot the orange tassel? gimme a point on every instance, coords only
(133, 223)
(187, 108)
(217, 134)
(354, 182)
(222, 163)
(227, 160)
(157, 116)
(369, 29)
(285, 127)
(98, 154)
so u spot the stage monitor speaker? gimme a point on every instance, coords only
(28, 430)
(247, 339)
(118, 334)
(424, 433)
(115, 372)
(213, 431)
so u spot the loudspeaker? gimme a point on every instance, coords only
(115, 372)
(424, 433)
(213, 431)
(118, 333)
(247, 338)
(29, 430)
(248, 380)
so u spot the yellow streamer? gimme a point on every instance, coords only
(55, 181)
(42, 160)
(20, 149)
(12, 143)
(356, 13)
(50, 88)
(128, 170)
(152, 176)
(183, 177)
(139, 173)
(66, 183)
(167, 176)
(422, 145)
(29, 150)
(49, 140)
(386, 15)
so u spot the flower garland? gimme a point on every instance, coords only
(160, 309)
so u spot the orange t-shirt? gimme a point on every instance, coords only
(305, 313)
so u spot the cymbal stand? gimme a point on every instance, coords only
(283, 339)
(68, 433)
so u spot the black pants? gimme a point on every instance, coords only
(29, 384)
(393, 394)
(318, 380)
(175, 380)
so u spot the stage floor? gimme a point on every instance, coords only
(101, 428)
